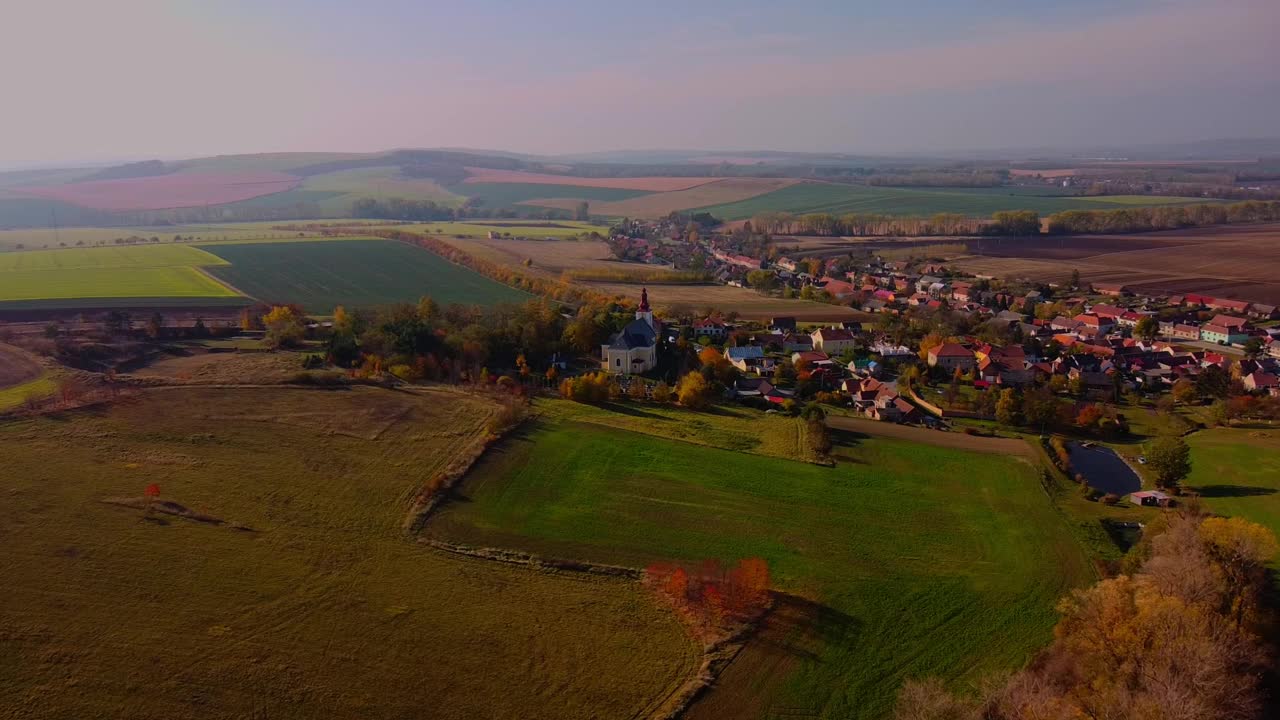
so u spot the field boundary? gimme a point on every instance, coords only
(716, 655)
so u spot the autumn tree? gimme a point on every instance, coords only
(1007, 407)
(1170, 459)
(693, 391)
(1147, 328)
(283, 326)
(662, 392)
(635, 390)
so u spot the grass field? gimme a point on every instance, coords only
(381, 183)
(324, 608)
(48, 238)
(813, 197)
(903, 561)
(12, 396)
(662, 204)
(130, 272)
(1237, 471)
(353, 273)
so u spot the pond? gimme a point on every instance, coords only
(1103, 469)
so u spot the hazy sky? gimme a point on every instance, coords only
(91, 80)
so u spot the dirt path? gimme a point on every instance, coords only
(956, 440)
(17, 366)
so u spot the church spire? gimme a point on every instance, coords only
(644, 300)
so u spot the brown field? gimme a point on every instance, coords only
(167, 191)
(1051, 173)
(227, 368)
(652, 184)
(1237, 262)
(548, 257)
(290, 591)
(749, 304)
(17, 366)
(712, 193)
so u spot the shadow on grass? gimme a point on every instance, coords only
(1213, 491)
(798, 628)
(632, 410)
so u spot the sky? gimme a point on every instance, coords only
(94, 81)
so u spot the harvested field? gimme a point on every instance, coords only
(836, 198)
(1232, 261)
(325, 609)
(663, 204)
(166, 191)
(648, 184)
(548, 257)
(749, 304)
(1050, 173)
(225, 368)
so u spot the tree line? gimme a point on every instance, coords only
(1178, 635)
(1012, 222)
(1147, 219)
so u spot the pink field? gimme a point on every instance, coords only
(167, 191)
(652, 184)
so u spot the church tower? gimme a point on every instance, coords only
(643, 312)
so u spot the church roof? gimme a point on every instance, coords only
(637, 333)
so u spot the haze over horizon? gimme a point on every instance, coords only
(147, 78)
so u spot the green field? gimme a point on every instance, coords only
(810, 197)
(903, 561)
(118, 257)
(354, 273)
(1237, 471)
(15, 395)
(323, 608)
(128, 272)
(501, 195)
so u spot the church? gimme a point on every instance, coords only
(634, 350)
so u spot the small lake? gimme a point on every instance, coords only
(1104, 470)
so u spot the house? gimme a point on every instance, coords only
(1230, 321)
(950, 356)
(1183, 331)
(834, 341)
(748, 358)
(1100, 324)
(1151, 498)
(783, 324)
(884, 348)
(1258, 380)
(837, 288)
(1262, 311)
(1236, 306)
(711, 327)
(797, 342)
(634, 349)
(1222, 335)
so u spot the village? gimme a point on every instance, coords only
(938, 344)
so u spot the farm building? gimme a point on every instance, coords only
(1151, 498)
(950, 356)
